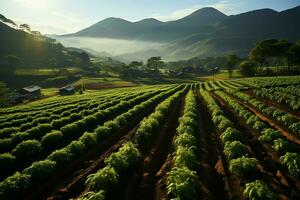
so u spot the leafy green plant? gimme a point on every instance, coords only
(41, 170)
(126, 156)
(100, 195)
(14, 186)
(282, 146)
(182, 183)
(231, 134)
(258, 190)
(243, 166)
(185, 157)
(185, 140)
(61, 156)
(235, 149)
(269, 135)
(292, 162)
(7, 161)
(51, 139)
(104, 179)
(27, 149)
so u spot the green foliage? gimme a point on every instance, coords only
(282, 146)
(235, 149)
(269, 135)
(126, 156)
(27, 149)
(243, 166)
(52, 139)
(100, 195)
(247, 68)
(61, 156)
(40, 171)
(104, 179)
(88, 139)
(7, 161)
(185, 157)
(292, 162)
(231, 134)
(14, 186)
(258, 190)
(182, 183)
(186, 140)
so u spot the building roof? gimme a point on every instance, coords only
(68, 88)
(31, 88)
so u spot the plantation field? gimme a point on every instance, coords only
(226, 139)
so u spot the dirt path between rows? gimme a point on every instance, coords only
(273, 172)
(212, 186)
(273, 124)
(156, 157)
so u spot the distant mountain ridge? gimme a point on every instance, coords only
(205, 32)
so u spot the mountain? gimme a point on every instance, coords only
(33, 49)
(205, 32)
(152, 29)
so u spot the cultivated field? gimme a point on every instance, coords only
(233, 139)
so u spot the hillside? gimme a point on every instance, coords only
(31, 47)
(206, 32)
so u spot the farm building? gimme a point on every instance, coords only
(67, 90)
(29, 92)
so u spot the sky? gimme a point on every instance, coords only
(68, 16)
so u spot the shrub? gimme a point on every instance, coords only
(127, 155)
(76, 148)
(60, 156)
(295, 127)
(88, 139)
(41, 170)
(292, 162)
(231, 134)
(100, 195)
(185, 140)
(182, 183)
(258, 125)
(27, 149)
(243, 166)
(13, 186)
(52, 139)
(224, 124)
(268, 135)
(258, 190)
(7, 161)
(185, 156)
(104, 179)
(283, 146)
(235, 149)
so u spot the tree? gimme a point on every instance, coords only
(154, 63)
(12, 63)
(25, 27)
(85, 59)
(247, 68)
(53, 63)
(231, 62)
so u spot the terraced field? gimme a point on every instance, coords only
(236, 139)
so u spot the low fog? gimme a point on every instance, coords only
(114, 47)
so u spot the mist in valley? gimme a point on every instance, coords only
(107, 46)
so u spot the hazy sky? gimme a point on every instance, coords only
(66, 16)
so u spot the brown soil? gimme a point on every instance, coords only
(211, 169)
(271, 122)
(155, 159)
(270, 170)
(66, 181)
(267, 101)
